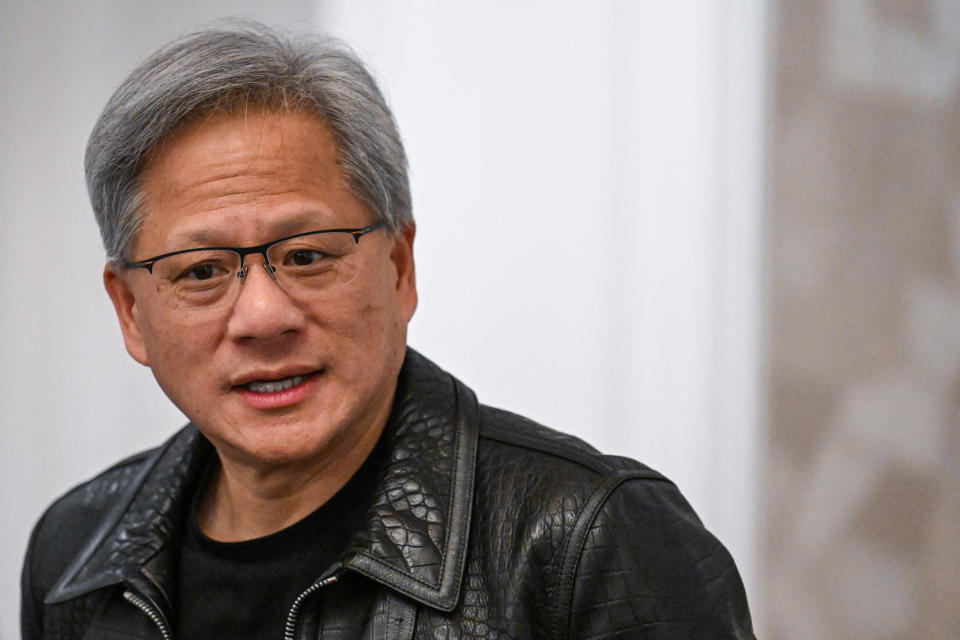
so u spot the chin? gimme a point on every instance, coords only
(273, 445)
(280, 454)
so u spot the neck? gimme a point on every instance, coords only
(244, 501)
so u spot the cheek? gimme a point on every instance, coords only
(380, 313)
(174, 348)
(368, 327)
(368, 308)
(356, 320)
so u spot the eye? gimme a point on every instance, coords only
(305, 257)
(201, 272)
(207, 273)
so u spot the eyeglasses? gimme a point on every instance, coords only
(211, 277)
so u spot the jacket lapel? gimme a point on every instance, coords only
(132, 545)
(419, 518)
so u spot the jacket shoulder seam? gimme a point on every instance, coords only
(591, 460)
(573, 546)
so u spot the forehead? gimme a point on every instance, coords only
(240, 177)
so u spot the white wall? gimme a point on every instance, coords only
(587, 189)
(587, 181)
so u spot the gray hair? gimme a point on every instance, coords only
(234, 66)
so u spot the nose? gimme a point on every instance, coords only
(263, 310)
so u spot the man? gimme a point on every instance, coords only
(252, 195)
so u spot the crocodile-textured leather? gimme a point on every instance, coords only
(482, 524)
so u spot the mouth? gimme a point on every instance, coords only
(274, 386)
(269, 393)
(269, 386)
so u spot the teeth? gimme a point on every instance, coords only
(274, 386)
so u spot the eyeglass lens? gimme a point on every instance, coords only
(213, 278)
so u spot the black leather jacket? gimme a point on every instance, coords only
(484, 525)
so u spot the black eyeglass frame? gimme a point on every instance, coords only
(243, 252)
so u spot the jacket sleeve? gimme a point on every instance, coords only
(647, 568)
(30, 601)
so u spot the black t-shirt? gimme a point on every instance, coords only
(245, 589)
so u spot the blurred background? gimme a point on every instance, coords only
(722, 237)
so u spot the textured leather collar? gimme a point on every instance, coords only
(418, 521)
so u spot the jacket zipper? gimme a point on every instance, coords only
(151, 612)
(294, 614)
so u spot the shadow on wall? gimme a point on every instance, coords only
(863, 498)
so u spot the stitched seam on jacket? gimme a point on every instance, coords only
(574, 547)
(378, 571)
(451, 497)
(463, 398)
(591, 460)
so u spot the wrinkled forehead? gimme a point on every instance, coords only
(254, 173)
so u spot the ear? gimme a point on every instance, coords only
(402, 257)
(118, 288)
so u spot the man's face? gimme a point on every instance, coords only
(242, 181)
